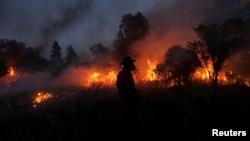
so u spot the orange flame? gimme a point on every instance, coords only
(11, 71)
(247, 83)
(206, 74)
(40, 97)
(151, 75)
(95, 75)
(106, 79)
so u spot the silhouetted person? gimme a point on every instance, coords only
(128, 97)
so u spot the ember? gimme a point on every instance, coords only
(11, 71)
(12, 76)
(40, 97)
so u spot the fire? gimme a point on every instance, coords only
(247, 83)
(202, 74)
(111, 76)
(105, 78)
(95, 75)
(12, 76)
(205, 74)
(108, 78)
(11, 71)
(151, 75)
(40, 97)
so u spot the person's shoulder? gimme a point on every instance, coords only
(119, 73)
(122, 73)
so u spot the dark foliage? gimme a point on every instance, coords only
(56, 61)
(132, 28)
(72, 57)
(56, 52)
(181, 63)
(102, 56)
(13, 52)
(99, 51)
(3, 68)
(217, 42)
(17, 54)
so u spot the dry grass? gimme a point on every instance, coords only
(93, 114)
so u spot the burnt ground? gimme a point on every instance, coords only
(93, 114)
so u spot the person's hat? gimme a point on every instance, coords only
(127, 60)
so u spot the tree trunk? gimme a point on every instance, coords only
(215, 84)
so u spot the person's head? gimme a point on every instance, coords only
(128, 63)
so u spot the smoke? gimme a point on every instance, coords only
(77, 22)
(31, 82)
(172, 24)
(69, 17)
(83, 23)
(71, 77)
(86, 22)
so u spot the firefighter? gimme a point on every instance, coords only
(128, 97)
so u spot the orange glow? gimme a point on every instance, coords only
(95, 75)
(247, 83)
(105, 78)
(111, 76)
(40, 97)
(151, 75)
(206, 74)
(12, 76)
(11, 71)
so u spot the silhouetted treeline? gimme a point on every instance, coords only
(17, 54)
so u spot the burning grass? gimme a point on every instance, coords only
(107, 79)
(82, 104)
(40, 97)
(16, 80)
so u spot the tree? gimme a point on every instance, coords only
(12, 52)
(102, 55)
(17, 54)
(99, 51)
(3, 68)
(181, 63)
(32, 60)
(131, 29)
(71, 57)
(217, 42)
(55, 52)
(56, 62)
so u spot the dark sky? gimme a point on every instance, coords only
(77, 22)
(83, 23)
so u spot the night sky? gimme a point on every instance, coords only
(83, 23)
